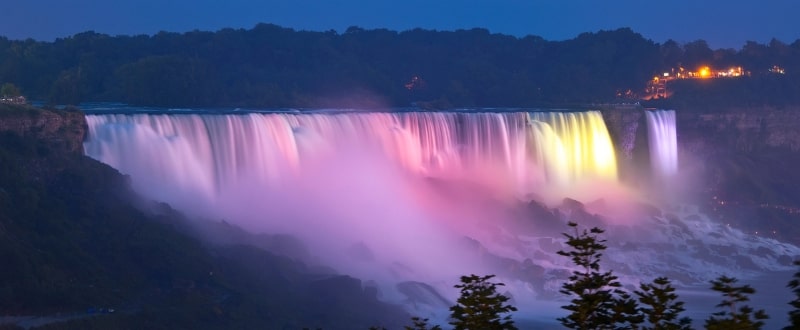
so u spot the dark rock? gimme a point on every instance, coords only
(59, 128)
(785, 260)
(336, 285)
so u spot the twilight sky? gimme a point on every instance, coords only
(722, 23)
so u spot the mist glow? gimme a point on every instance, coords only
(420, 196)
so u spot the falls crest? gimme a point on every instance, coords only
(200, 154)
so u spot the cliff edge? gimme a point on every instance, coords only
(740, 163)
(62, 129)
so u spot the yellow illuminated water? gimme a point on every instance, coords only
(573, 145)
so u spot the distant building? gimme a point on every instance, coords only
(707, 72)
(657, 87)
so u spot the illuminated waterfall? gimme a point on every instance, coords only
(575, 145)
(663, 143)
(353, 189)
(199, 154)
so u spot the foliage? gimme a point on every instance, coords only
(272, 66)
(742, 318)
(794, 315)
(480, 306)
(598, 302)
(421, 324)
(9, 90)
(659, 306)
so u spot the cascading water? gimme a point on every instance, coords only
(352, 181)
(339, 180)
(576, 143)
(199, 155)
(663, 143)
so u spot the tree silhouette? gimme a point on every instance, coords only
(744, 317)
(480, 306)
(794, 315)
(421, 324)
(598, 301)
(660, 307)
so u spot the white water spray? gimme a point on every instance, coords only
(663, 142)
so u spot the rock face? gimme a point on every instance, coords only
(761, 134)
(62, 128)
(623, 125)
(741, 130)
(741, 164)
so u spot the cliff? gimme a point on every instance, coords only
(75, 239)
(748, 131)
(740, 163)
(59, 128)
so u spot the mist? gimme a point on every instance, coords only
(426, 198)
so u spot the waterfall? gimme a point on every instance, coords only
(663, 143)
(198, 155)
(576, 145)
(355, 189)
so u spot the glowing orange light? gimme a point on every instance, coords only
(705, 72)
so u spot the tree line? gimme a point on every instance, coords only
(272, 66)
(599, 302)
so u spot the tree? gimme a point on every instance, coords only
(480, 306)
(421, 324)
(696, 54)
(659, 306)
(598, 301)
(794, 315)
(744, 317)
(9, 90)
(671, 55)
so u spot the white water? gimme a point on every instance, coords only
(201, 155)
(350, 182)
(663, 141)
(344, 182)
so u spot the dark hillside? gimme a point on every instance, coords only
(72, 243)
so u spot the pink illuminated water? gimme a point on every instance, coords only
(338, 180)
(201, 155)
(419, 196)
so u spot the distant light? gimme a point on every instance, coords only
(666, 74)
(705, 72)
(777, 69)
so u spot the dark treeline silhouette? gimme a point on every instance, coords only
(272, 66)
(599, 301)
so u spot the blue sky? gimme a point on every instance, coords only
(721, 23)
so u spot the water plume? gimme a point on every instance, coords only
(369, 192)
(421, 197)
